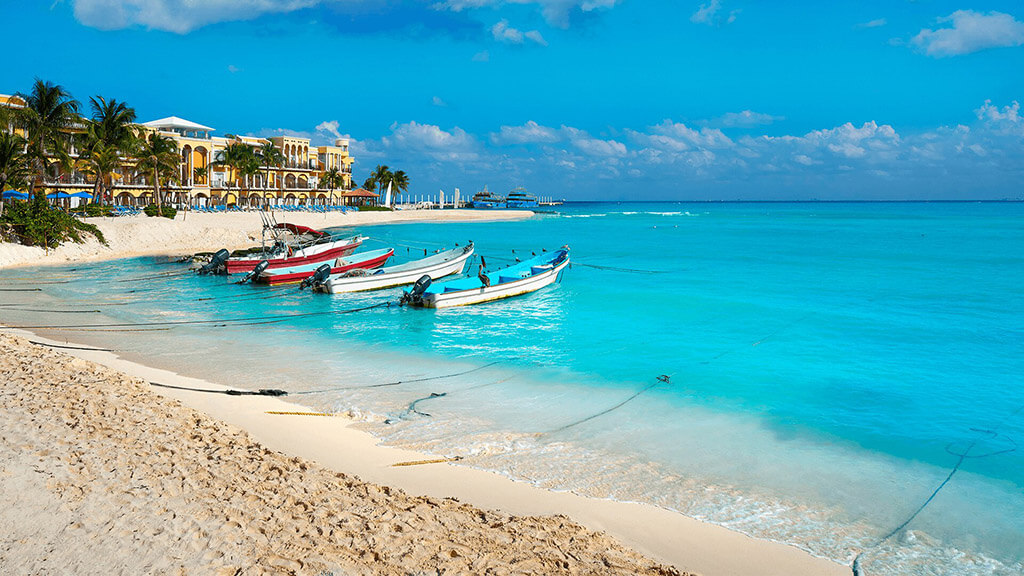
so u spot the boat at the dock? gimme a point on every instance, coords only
(527, 276)
(282, 255)
(358, 261)
(436, 266)
(520, 199)
(486, 200)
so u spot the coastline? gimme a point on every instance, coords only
(188, 233)
(660, 534)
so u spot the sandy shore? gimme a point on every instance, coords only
(190, 233)
(101, 474)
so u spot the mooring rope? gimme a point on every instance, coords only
(399, 382)
(963, 456)
(65, 347)
(663, 379)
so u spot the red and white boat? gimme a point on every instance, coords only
(293, 274)
(286, 255)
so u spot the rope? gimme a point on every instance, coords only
(70, 347)
(664, 378)
(261, 392)
(963, 456)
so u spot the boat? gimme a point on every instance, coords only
(527, 276)
(284, 254)
(519, 198)
(486, 200)
(436, 266)
(293, 274)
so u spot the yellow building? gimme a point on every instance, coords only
(202, 181)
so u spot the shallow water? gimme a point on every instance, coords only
(828, 363)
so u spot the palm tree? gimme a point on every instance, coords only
(200, 172)
(382, 176)
(101, 161)
(49, 116)
(109, 133)
(369, 183)
(400, 182)
(238, 157)
(15, 167)
(158, 155)
(270, 155)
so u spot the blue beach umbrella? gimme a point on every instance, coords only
(58, 195)
(15, 194)
(80, 195)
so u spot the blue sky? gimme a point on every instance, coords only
(582, 99)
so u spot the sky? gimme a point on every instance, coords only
(575, 99)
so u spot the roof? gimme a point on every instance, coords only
(175, 122)
(359, 193)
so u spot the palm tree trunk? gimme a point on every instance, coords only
(156, 190)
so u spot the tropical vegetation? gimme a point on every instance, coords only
(382, 176)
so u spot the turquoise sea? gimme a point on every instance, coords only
(831, 364)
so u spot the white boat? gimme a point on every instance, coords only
(521, 278)
(437, 266)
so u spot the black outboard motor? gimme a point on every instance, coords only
(418, 289)
(318, 278)
(255, 272)
(216, 263)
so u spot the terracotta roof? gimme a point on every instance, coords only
(359, 193)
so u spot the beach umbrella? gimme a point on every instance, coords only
(79, 195)
(58, 195)
(15, 194)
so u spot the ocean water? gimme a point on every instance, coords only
(830, 365)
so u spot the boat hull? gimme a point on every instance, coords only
(495, 292)
(293, 277)
(307, 255)
(339, 285)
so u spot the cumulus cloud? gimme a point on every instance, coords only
(330, 128)
(179, 16)
(969, 32)
(502, 32)
(529, 133)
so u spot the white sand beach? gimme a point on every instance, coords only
(191, 232)
(118, 477)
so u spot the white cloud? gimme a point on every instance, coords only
(712, 14)
(502, 32)
(529, 133)
(747, 118)
(330, 128)
(179, 16)
(482, 56)
(233, 69)
(971, 32)
(437, 101)
(556, 12)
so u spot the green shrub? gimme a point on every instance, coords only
(374, 209)
(36, 223)
(93, 210)
(165, 211)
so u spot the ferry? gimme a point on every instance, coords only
(518, 198)
(486, 200)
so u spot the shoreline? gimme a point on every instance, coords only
(190, 232)
(658, 533)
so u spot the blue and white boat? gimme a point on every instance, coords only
(486, 200)
(519, 199)
(521, 278)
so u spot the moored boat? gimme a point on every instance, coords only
(436, 266)
(358, 261)
(486, 200)
(522, 278)
(285, 255)
(519, 198)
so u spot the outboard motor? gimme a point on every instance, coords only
(318, 278)
(418, 289)
(217, 261)
(255, 272)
